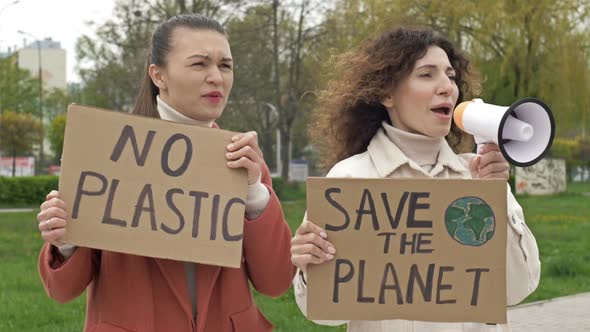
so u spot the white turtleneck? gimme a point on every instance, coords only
(168, 113)
(421, 149)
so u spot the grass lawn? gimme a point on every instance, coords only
(560, 223)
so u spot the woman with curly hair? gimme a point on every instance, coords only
(388, 113)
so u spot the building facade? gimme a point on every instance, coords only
(53, 62)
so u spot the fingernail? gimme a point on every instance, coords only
(324, 235)
(332, 250)
(227, 155)
(231, 146)
(234, 138)
(328, 256)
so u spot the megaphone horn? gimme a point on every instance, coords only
(524, 131)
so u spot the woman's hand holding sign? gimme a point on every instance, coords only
(52, 219)
(244, 152)
(309, 245)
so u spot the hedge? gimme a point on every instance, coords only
(31, 190)
(26, 190)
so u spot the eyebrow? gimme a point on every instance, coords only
(206, 57)
(449, 68)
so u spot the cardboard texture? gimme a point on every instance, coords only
(435, 251)
(150, 187)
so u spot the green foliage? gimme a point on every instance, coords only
(26, 190)
(252, 94)
(55, 103)
(565, 148)
(512, 181)
(520, 48)
(575, 151)
(19, 91)
(18, 133)
(278, 185)
(56, 136)
(288, 191)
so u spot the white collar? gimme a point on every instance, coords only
(168, 113)
(387, 156)
(422, 149)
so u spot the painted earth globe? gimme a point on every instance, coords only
(470, 221)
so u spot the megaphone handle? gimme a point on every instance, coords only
(479, 148)
(480, 143)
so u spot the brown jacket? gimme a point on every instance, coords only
(136, 293)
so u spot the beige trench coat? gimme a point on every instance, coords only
(384, 159)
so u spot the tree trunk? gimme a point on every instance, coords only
(181, 6)
(13, 162)
(290, 109)
(266, 147)
(285, 141)
(277, 86)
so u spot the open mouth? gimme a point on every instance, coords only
(442, 110)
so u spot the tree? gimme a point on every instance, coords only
(290, 46)
(56, 103)
(251, 104)
(111, 65)
(56, 136)
(19, 91)
(521, 48)
(259, 101)
(18, 133)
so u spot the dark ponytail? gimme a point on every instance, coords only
(158, 50)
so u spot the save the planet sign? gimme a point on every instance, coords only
(415, 249)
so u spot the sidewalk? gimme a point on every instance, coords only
(562, 314)
(17, 210)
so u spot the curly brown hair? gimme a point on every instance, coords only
(349, 110)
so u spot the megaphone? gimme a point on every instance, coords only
(524, 131)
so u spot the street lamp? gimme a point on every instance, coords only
(275, 113)
(8, 5)
(42, 153)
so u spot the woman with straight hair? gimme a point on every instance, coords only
(388, 114)
(188, 79)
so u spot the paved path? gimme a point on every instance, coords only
(562, 314)
(17, 210)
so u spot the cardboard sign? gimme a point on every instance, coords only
(149, 187)
(415, 249)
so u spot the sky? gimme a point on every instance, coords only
(60, 20)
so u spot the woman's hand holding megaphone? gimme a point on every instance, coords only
(489, 163)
